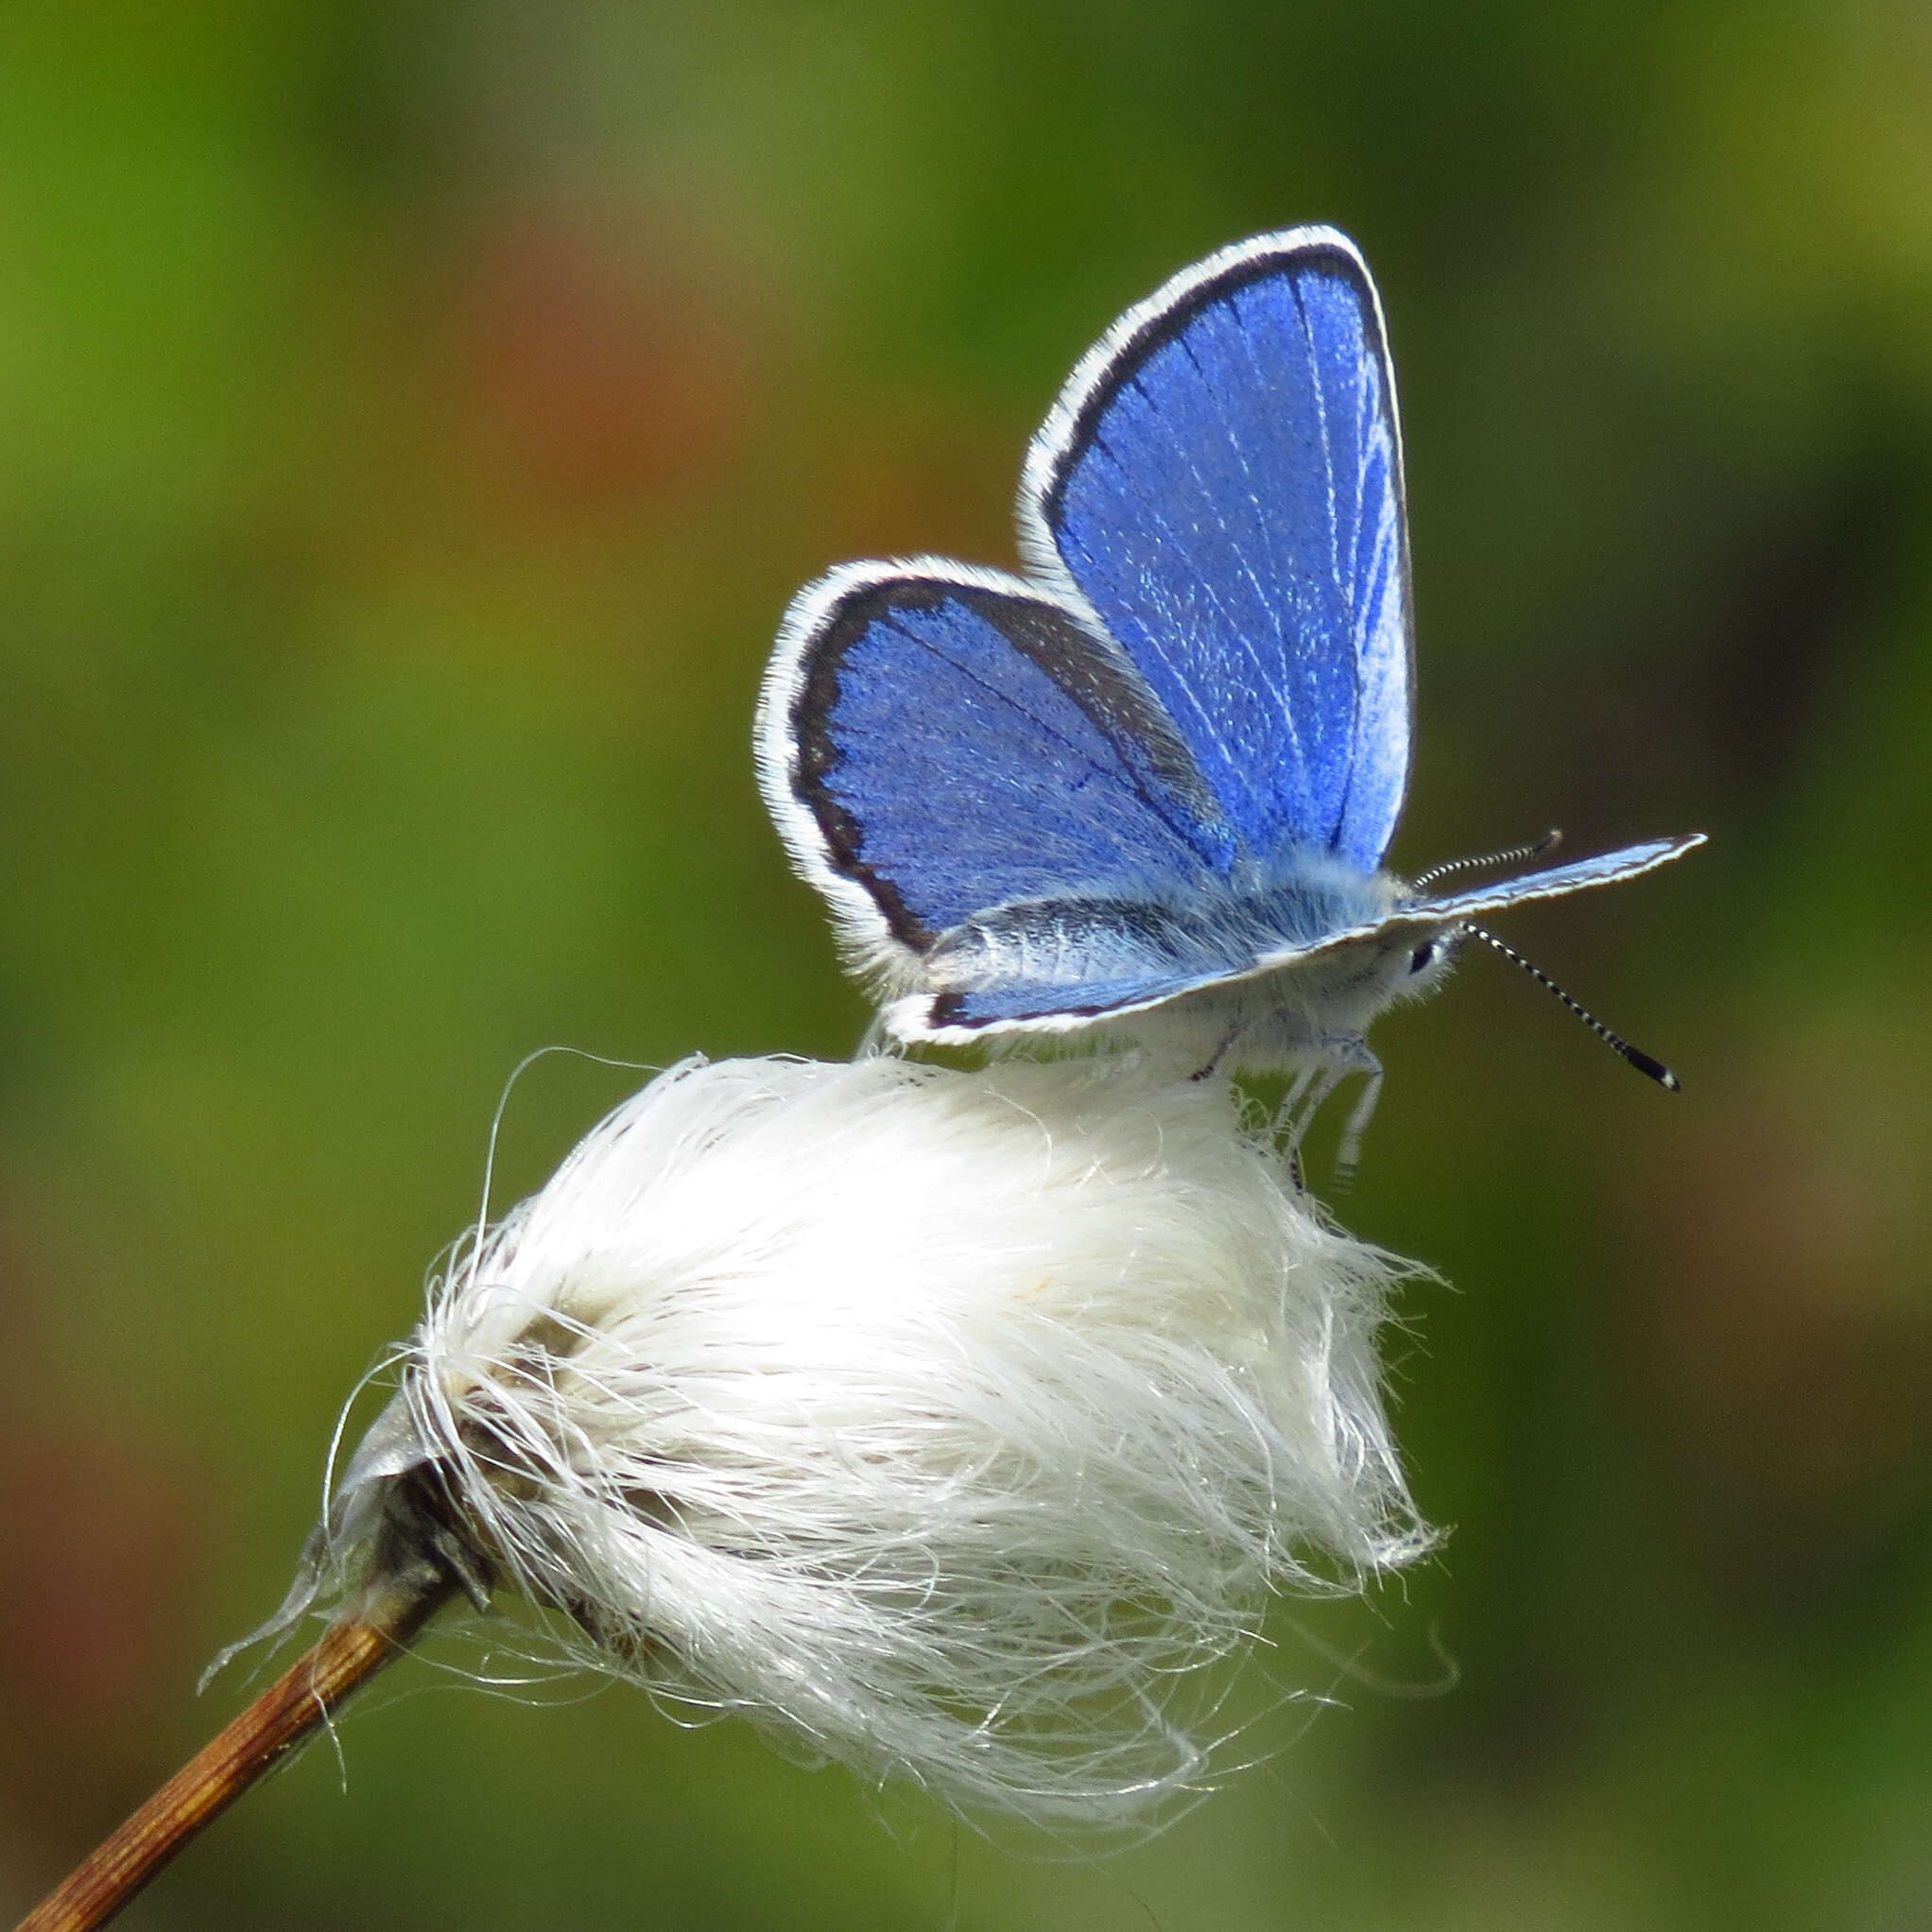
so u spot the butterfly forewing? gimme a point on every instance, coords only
(1555, 881)
(1221, 482)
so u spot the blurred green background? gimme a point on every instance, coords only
(413, 420)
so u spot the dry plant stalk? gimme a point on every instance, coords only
(284, 1716)
(955, 1427)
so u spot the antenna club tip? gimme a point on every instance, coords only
(1656, 1069)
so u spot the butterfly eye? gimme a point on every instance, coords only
(1423, 957)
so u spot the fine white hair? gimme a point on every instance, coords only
(946, 1423)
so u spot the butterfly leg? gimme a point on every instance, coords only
(1310, 1087)
(1339, 1057)
(1219, 1054)
(1284, 1115)
(1348, 1155)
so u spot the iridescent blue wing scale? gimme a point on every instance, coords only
(937, 742)
(1220, 484)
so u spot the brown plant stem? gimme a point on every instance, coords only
(285, 1716)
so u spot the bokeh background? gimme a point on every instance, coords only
(413, 420)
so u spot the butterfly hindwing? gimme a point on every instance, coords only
(1221, 483)
(938, 742)
(957, 1016)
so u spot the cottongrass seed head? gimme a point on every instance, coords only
(945, 1423)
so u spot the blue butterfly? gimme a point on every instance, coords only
(1147, 788)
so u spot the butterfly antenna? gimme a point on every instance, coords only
(1517, 854)
(1615, 1041)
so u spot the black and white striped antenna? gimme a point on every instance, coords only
(1516, 855)
(1615, 1041)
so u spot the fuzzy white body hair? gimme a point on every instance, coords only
(944, 1423)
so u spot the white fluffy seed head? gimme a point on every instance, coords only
(944, 1423)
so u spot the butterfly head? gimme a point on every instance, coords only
(1398, 961)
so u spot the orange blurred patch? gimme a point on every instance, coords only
(606, 359)
(916, 478)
